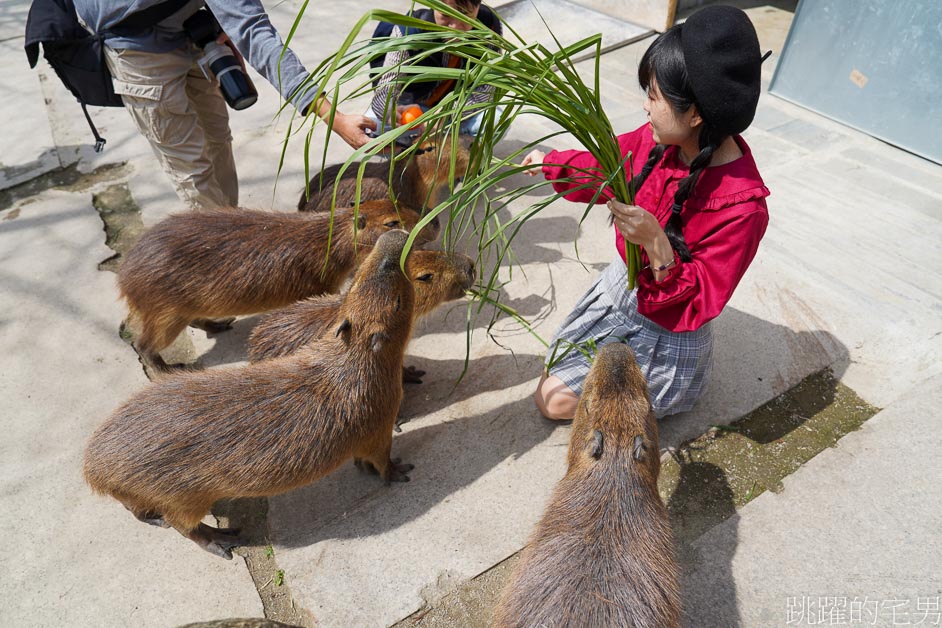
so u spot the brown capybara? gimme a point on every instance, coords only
(437, 277)
(188, 440)
(419, 181)
(224, 262)
(603, 553)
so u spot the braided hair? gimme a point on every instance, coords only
(663, 62)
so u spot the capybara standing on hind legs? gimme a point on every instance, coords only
(421, 181)
(603, 554)
(437, 277)
(224, 263)
(189, 440)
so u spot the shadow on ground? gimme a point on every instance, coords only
(350, 505)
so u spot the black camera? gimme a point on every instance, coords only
(218, 62)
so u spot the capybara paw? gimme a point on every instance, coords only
(400, 421)
(153, 519)
(412, 375)
(218, 541)
(222, 549)
(397, 470)
(213, 326)
(365, 466)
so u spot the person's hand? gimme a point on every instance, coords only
(534, 158)
(416, 127)
(352, 128)
(224, 40)
(636, 224)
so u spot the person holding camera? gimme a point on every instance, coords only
(159, 73)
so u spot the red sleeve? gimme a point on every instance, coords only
(568, 163)
(697, 291)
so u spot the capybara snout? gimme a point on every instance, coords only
(390, 246)
(457, 275)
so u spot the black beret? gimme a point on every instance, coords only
(721, 51)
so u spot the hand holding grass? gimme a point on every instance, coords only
(639, 226)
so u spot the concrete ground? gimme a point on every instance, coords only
(846, 278)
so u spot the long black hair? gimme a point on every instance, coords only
(663, 62)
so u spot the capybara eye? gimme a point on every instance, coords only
(392, 224)
(426, 277)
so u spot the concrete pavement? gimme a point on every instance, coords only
(846, 277)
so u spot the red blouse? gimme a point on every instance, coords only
(723, 221)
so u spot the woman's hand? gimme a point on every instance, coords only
(352, 128)
(639, 226)
(636, 224)
(534, 158)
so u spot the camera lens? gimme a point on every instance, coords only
(235, 86)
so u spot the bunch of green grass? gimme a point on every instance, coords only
(528, 79)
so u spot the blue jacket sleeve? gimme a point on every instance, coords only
(251, 30)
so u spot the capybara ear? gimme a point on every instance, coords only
(361, 222)
(597, 443)
(639, 451)
(377, 341)
(344, 326)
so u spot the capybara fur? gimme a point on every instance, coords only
(188, 440)
(437, 277)
(603, 553)
(418, 181)
(225, 262)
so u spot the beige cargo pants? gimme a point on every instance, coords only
(184, 117)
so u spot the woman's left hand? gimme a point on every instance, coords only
(636, 224)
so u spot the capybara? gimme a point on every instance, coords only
(603, 553)
(223, 263)
(437, 277)
(188, 440)
(420, 181)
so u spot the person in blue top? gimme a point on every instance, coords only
(183, 114)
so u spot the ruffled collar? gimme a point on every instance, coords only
(735, 182)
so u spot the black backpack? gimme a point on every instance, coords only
(77, 56)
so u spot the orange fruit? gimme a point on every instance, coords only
(410, 114)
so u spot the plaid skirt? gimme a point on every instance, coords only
(676, 365)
